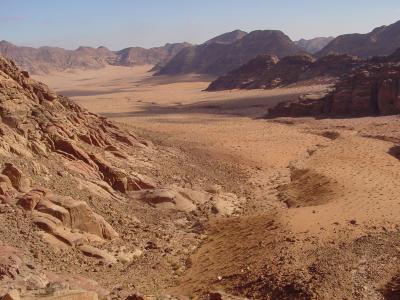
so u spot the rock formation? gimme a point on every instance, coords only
(219, 58)
(265, 72)
(370, 89)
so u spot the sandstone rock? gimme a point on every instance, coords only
(6, 187)
(167, 199)
(69, 147)
(370, 89)
(119, 179)
(12, 295)
(18, 180)
(98, 253)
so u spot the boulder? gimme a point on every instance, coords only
(18, 180)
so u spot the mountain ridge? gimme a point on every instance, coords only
(381, 41)
(216, 59)
(46, 59)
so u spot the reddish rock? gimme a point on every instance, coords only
(370, 89)
(18, 180)
(69, 147)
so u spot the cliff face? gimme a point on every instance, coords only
(373, 88)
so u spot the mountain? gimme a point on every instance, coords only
(383, 40)
(314, 45)
(48, 59)
(219, 58)
(153, 56)
(266, 71)
(227, 38)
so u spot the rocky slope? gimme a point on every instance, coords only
(265, 72)
(370, 89)
(314, 45)
(219, 58)
(383, 40)
(48, 59)
(82, 197)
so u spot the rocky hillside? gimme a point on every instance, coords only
(314, 45)
(265, 72)
(383, 40)
(370, 89)
(219, 58)
(48, 59)
(87, 208)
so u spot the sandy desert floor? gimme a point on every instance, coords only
(324, 203)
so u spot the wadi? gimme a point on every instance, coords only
(248, 166)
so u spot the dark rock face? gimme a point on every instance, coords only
(371, 89)
(245, 75)
(219, 58)
(269, 72)
(381, 41)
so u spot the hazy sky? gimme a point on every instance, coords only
(122, 23)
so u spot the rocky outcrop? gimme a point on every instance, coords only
(219, 58)
(266, 72)
(48, 147)
(372, 89)
(246, 75)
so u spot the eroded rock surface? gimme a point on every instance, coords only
(370, 89)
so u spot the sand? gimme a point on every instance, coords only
(323, 192)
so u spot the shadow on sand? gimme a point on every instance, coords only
(254, 107)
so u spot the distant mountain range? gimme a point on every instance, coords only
(313, 45)
(48, 59)
(216, 57)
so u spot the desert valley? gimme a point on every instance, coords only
(248, 166)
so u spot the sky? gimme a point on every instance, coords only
(117, 24)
